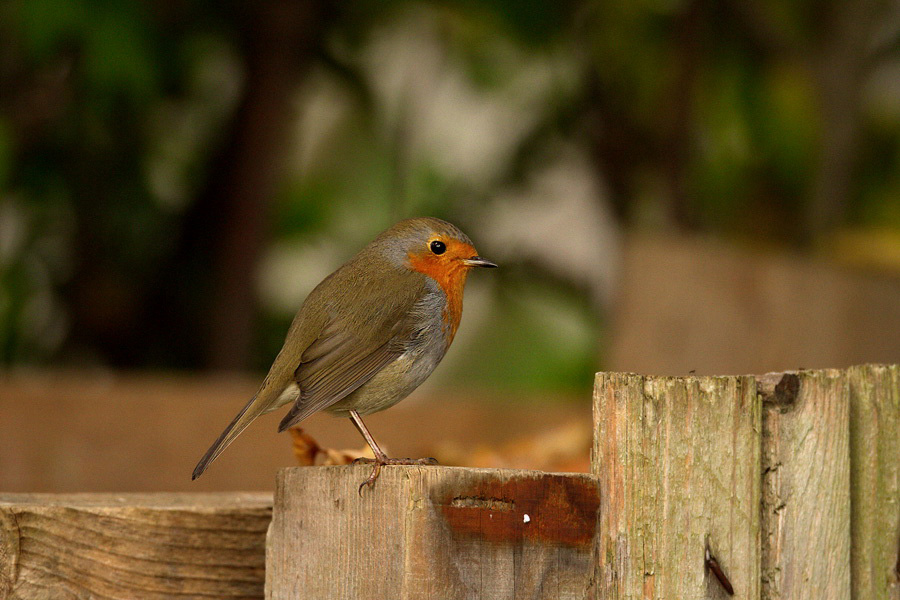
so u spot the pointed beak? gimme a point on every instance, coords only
(477, 261)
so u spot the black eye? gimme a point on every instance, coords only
(438, 247)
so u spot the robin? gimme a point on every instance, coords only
(369, 334)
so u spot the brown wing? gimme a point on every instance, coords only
(365, 329)
(335, 365)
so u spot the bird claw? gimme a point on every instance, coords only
(376, 469)
(378, 462)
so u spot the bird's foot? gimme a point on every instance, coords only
(384, 460)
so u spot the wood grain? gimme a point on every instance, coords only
(148, 546)
(806, 485)
(431, 532)
(678, 460)
(875, 481)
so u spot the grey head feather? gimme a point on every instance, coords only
(413, 235)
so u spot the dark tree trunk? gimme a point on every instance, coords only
(222, 238)
(843, 59)
(679, 113)
(283, 38)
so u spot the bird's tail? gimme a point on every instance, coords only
(274, 393)
(237, 425)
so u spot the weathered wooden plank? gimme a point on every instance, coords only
(875, 481)
(678, 460)
(148, 546)
(431, 532)
(806, 485)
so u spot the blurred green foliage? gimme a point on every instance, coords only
(118, 119)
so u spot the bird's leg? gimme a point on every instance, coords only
(380, 457)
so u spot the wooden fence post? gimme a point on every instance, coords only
(875, 481)
(822, 520)
(678, 461)
(127, 546)
(431, 532)
(806, 485)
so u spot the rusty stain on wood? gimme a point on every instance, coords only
(546, 509)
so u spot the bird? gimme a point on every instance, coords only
(369, 334)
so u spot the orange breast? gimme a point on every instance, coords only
(451, 276)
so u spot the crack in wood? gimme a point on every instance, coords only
(498, 504)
